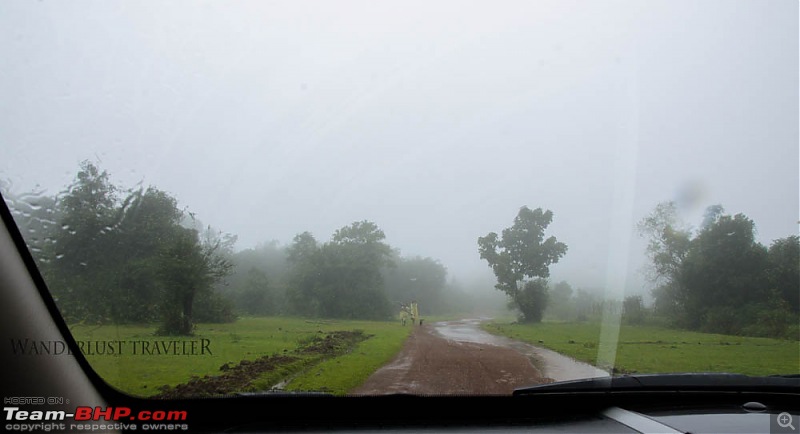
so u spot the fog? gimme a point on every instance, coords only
(435, 120)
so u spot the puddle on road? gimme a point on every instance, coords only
(552, 364)
(467, 330)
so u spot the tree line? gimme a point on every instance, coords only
(114, 255)
(111, 255)
(337, 279)
(716, 278)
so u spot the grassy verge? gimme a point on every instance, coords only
(341, 374)
(648, 349)
(229, 344)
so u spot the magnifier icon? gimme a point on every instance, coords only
(785, 421)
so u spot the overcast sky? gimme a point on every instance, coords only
(436, 120)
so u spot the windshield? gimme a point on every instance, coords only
(407, 197)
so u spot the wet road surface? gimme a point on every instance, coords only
(457, 357)
(430, 364)
(551, 364)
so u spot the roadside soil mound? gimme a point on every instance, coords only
(239, 377)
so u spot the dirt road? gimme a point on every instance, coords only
(457, 357)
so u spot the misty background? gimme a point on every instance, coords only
(435, 120)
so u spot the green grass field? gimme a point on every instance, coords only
(642, 349)
(647, 349)
(245, 339)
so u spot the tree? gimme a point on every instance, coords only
(722, 275)
(189, 267)
(784, 270)
(348, 286)
(668, 243)
(109, 259)
(256, 298)
(561, 304)
(520, 254)
(417, 278)
(342, 278)
(532, 299)
(80, 276)
(585, 303)
(213, 307)
(633, 310)
(304, 259)
(149, 218)
(720, 279)
(211, 304)
(303, 247)
(259, 278)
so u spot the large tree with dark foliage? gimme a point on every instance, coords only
(722, 274)
(520, 259)
(719, 278)
(341, 278)
(188, 268)
(148, 223)
(784, 270)
(80, 274)
(116, 256)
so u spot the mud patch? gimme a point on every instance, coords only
(240, 377)
(334, 343)
(430, 364)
